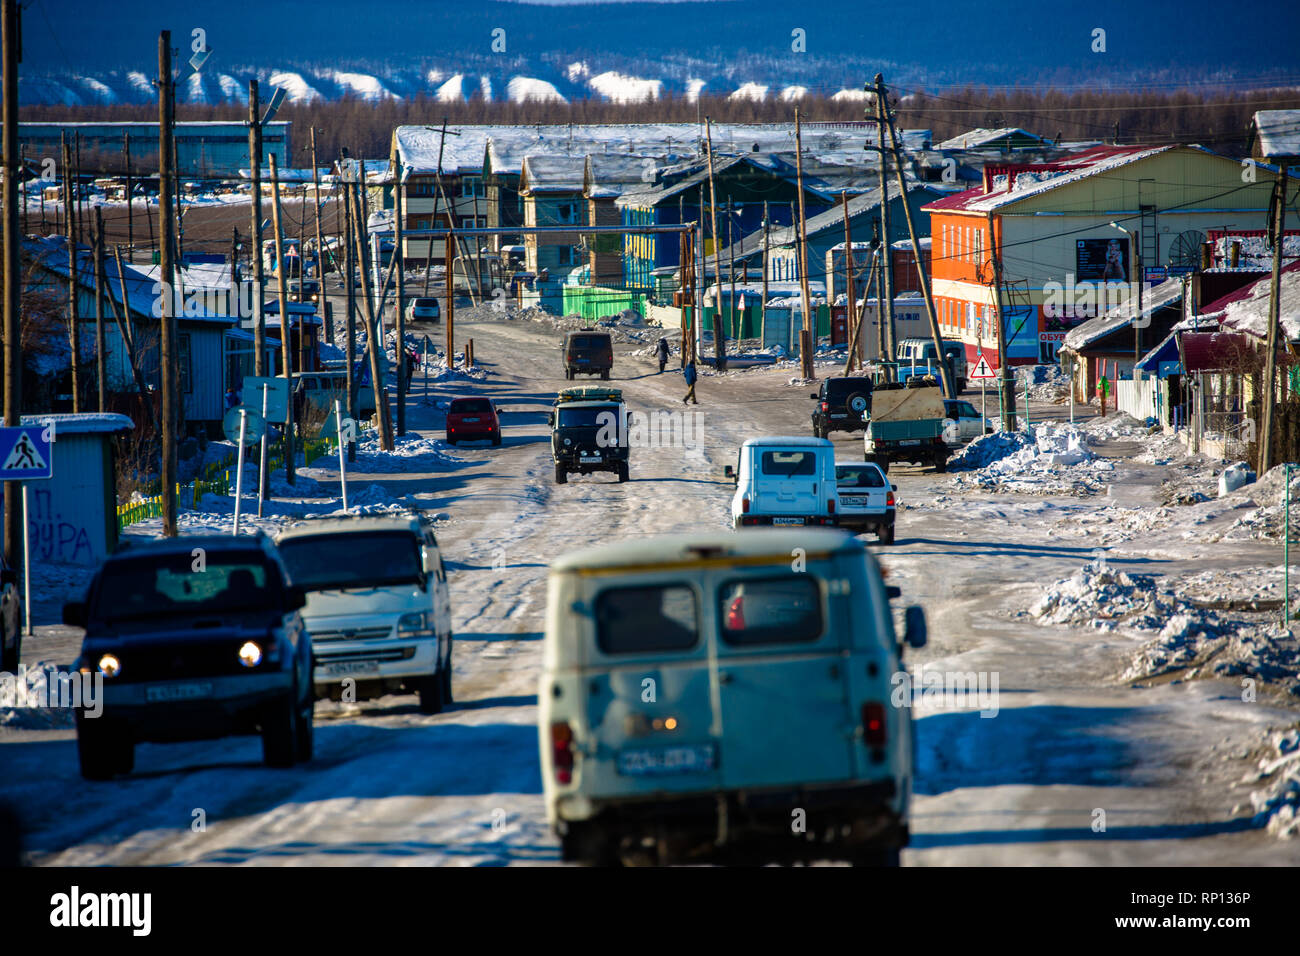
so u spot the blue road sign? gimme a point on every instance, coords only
(26, 452)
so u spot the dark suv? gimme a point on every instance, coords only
(196, 638)
(841, 403)
(588, 353)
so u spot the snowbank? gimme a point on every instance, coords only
(1049, 458)
(1277, 803)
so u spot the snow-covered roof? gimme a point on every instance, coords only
(1279, 133)
(81, 423)
(1246, 309)
(552, 174)
(1095, 329)
(979, 138)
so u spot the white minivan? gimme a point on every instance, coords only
(377, 607)
(784, 481)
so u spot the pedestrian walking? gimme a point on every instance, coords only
(688, 372)
(662, 351)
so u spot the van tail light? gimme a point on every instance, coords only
(889, 498)
(826, 407)
(562, 751)
(873, 724)
(938, 439)
(831, 505)
(744, 505)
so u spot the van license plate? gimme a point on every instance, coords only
(591, 458)
(911, 441)
(855, 501)
(352, 667)
(776, 521)
(178, 692)
(670, 760)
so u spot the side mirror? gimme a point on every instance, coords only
(893, 591)
(550, 419)
(814, 395)
(74, 614)
(729, 472)
(295, 597)
(894, 487)
(914, 628)
(8, 576)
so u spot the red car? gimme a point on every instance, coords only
(472, 419)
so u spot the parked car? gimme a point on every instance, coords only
(962, 422)
(473, 419)
(319, 390)
(842, 404)
(196, 638)
(866, 499)
(589, 432)
(771, 691)
(424, 309)
(588, 353)
(377, 605)
(784, 481)
(11, 619)
(921, 352)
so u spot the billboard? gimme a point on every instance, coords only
(1101, 260)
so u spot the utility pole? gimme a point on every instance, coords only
(15, 520)
(399, 348)
(1006, 384)
(130, 204)
(302, 276)
(886, 313)
(286, 352)
(255, 260)
(806, 336)
(350, 328)
(946, 374)
(767, 248)
(451, 304)
(374, 331)
(99, 310)
(1274, 300)
(167, 273)
(850, 314)
(731, 267)
(717, 254)
(74, 316)
(320, 245)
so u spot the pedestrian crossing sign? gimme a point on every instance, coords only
(26, 453)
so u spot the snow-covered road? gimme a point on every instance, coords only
(1076, 766)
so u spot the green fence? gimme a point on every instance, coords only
(595, 302)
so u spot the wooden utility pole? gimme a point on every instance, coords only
(286, 351)
(374, 330)
(350, 327)
(1274, 302)
(807, 336)
(717, 253)
(855, 341)
(167, 273)
(14, 517)
(302, 277)
(399, 348)
(433, 220)
(1006, 384)
(850, 314)
(451, 306)
(255, 234)
(767, 248)
(946, 374)
(102, 395)
(130, 203)
(320, 245)
(74, 317)
(887, 328)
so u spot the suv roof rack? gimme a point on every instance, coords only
(588, 393)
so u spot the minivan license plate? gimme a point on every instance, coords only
(855, 501)
(669, 760)
(170, 692)
(352, 667)
(787, 521)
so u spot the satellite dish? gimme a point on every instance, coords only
(1186, 250)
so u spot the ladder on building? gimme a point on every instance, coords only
(1149, 237)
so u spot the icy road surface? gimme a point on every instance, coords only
(1077, 766)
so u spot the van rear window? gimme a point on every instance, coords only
(591, 341)
(784, 610)
(789, 463)
(637, 620)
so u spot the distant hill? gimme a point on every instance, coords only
(85, 51)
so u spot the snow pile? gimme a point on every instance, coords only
(411, 453)
(1047, 383)
(1049, 458)
(25, 699)
(1266, 519)
(1103, 598)
(1277, 803)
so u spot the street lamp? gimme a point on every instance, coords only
(1137, 318)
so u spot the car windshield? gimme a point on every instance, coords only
(637, 620)
(859, 476)
(188, 583)
(590, 417)
(789, 463)
(352, 559)
(470, 406)
(782, 610)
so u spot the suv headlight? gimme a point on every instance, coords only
(414, 623)
(250, 654)
(110, 666)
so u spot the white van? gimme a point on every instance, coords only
(700, 700)
(784, 481)
(377, 608)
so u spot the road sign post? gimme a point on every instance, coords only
(262, 469)
(27, 565)
(27, 454)
(343, 477)
(983, 372)
(239, 467)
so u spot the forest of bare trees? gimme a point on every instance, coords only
(1217, 120)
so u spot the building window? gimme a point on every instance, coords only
(567, 212)
(979, 247)
(943, 248)
(568, 256)
(422, 187)
(471, 187)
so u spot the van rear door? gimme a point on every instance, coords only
(783, 679)
(788, 481)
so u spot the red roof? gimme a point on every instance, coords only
(1213, 351)
(1245, 292)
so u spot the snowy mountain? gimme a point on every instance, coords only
(627, 51)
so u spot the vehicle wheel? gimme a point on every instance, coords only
(604, 375)
(304, 731)
(622, 471)
(940, 465)
(568, 373)
(876, 857)
(886, 534)
(817, 431)
(9, 655)
(431, 694)
(856, 402)
(446, 677)
(561, 475)
(883, 462)
(496, 440)
(280, 735)
(103, 751)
